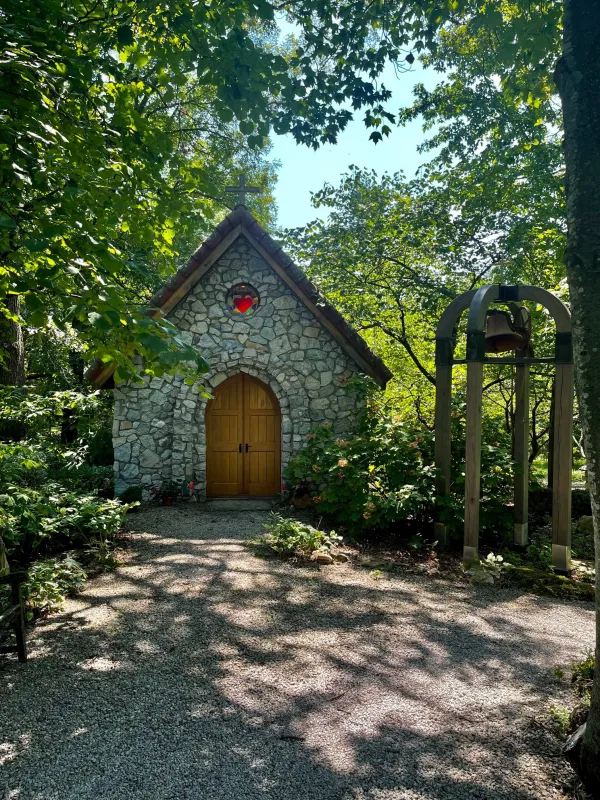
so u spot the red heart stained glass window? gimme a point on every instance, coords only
(242, 300)
(242, 304)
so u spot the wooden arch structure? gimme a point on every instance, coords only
(478, 302)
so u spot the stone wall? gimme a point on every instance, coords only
(159, 428)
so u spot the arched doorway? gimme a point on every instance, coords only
(243, 439)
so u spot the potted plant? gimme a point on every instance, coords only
(166, 494)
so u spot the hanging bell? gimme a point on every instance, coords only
(500, 335)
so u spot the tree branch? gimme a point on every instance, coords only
(402, 339)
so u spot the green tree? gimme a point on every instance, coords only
(578, 79)
(99, 105)
(77, 148)
(523, 41)
(521, 63)
(111, 153)
(392, 253)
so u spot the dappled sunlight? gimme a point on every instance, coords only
(106, 590)
(100, 664)
(10, 750)
(149, 648)
(274, 680)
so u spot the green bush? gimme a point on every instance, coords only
(100, 450)
(22, 464)
(50, 581)
(385, 475)
(55, 492)
(133, 494)
(367, 481)
(289, 537)
(34, 521)
(86, 478)
(40, 516)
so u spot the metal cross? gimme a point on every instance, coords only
(242, 189)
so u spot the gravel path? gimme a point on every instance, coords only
(201, 671)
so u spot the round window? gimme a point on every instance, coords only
(242, 300)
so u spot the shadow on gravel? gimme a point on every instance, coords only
(200, 671)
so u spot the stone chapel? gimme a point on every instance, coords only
(280, 358)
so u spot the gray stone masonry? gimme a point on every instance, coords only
(159, 428)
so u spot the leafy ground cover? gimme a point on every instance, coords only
(292, 538)
(57, 515)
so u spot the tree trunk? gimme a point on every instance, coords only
(4, 568)
(12, 367)
(12, 364)
(12, 373)
(578, 79)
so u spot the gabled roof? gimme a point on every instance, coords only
(240, 222)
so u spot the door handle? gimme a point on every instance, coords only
(247, 446)
(240, 447)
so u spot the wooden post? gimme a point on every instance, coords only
(562, 467)
(473, 460)
(444, 354)
(443, 441)
(19, 623)
(521, 455)
(551, 435)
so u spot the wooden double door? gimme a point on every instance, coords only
(243, 439)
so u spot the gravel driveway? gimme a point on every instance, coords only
(201, 671)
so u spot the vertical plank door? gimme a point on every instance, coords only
(225, 438)
(262, 448)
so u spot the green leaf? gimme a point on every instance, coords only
(125, 35)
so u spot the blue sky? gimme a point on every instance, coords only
(303, 171)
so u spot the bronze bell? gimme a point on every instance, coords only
(500, 335)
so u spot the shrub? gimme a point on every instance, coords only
(289, 537)
(86, 478)
(368, 481)
(40, 515)
(54, 492)
(133, 494)
(50, 581)
(22, 464)
(34, 521)
(385, 475)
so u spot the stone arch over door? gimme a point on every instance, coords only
(189, 445)
(243, 439)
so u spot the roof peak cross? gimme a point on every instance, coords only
(241, 189)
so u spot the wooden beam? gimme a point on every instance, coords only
(550, 475)
(443, 401)
(443, 441)
(562, 468)
(521, 456)
(452, 313)
(473, 460)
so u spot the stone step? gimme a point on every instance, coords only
(240, 503)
